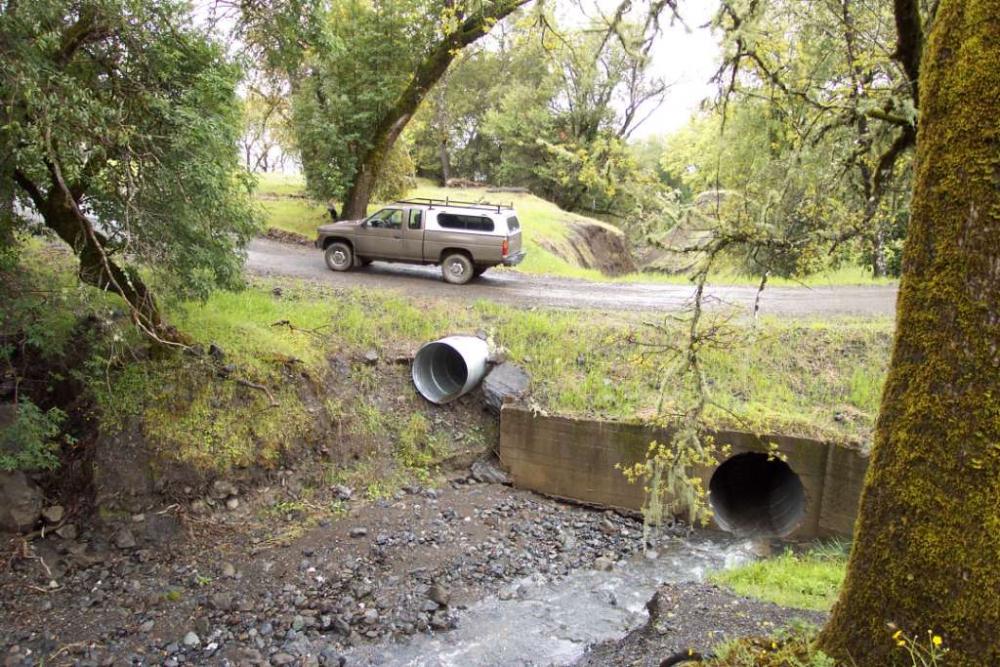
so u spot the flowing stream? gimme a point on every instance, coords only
(538, 622)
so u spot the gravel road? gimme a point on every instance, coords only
(270, 258)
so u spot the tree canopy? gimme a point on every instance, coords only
(118, 129)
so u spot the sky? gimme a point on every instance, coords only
(688, 58)
(684, 54)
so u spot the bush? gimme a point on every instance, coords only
(32, 441)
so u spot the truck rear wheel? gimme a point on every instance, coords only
(457, 268)
(339, 256)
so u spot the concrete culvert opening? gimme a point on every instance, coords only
(753, 494)
(445, 369)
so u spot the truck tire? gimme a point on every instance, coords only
(457, 268)
(339, 256)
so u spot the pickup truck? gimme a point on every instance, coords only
(464, 238)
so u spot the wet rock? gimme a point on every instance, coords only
(439, 594)
(124, 539)
(506, 382)
(20, 502)
(488, 472)
(54, 513)
(67, 531)
(604, 564)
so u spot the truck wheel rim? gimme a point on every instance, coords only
(339, 258)
(457, 268)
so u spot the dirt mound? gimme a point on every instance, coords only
(594, 246)
(282, 236)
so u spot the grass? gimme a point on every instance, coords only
(811, 379)
(810, 580)
(299, 216)
(544, 227)
(805, 378)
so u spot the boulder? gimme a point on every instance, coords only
(488, 471)
(20, 502)
(506, 382)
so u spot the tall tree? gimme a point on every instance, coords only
(927, 541)
(357, 94)
(118, 130)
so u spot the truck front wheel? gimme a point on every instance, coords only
(339, 256)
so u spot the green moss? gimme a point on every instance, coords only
(927, 542)
(216, 424)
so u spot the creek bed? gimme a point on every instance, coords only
(538, 621)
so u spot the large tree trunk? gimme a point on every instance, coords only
(63, 216)
(394, 120)
(927, 542)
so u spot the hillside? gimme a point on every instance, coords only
(558, 242)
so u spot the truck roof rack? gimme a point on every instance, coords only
(431, 202)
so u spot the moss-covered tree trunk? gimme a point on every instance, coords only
(927, 542)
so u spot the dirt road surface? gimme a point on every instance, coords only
(270, 258)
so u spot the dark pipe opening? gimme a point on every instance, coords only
(753, 494)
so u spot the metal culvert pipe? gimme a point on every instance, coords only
(756, 495)
(445, 369)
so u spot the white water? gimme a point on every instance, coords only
(552, 623)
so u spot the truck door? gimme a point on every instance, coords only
(381, 236)
(413, 236)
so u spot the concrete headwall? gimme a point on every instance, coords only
(575, 459)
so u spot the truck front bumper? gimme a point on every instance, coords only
(515, 259)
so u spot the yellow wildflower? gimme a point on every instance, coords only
(936, 639)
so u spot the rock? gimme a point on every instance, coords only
(371, 617)
(221, 489)
(603, 563)
(221, 601)
(371, 357)
(147, 626)
(488, 472)
(54, 513)
(228, 571)
(358, 532)
(439, 594)
(506, 382)
(124, 539)
(216, 352)
(282, 658)
(67, 531)
(341, 492)
(192, 640)
(329, 657)
(609, 528)
(20, 502)
(232, 503)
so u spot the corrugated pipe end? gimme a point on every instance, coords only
(445, 369)
(755, 495)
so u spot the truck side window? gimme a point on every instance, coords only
(394, 220)
(470, 222)
(416, 218)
